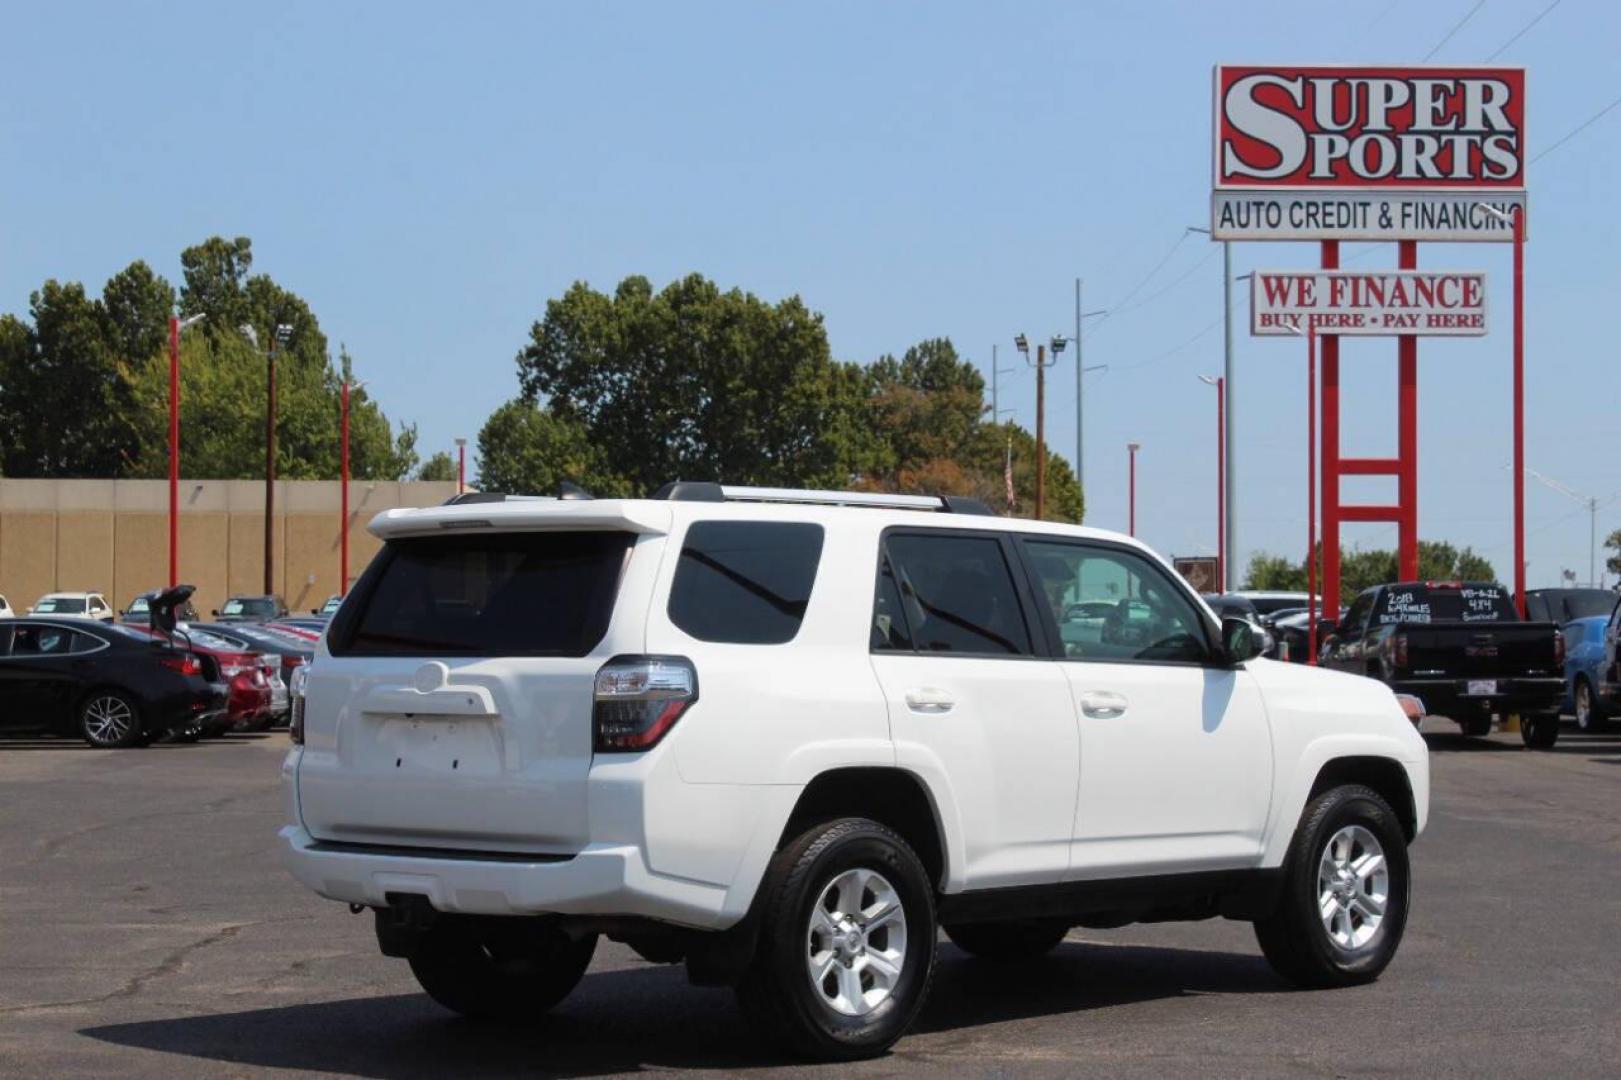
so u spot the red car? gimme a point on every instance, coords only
(244, 676)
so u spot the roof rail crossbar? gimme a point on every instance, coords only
(702, 491)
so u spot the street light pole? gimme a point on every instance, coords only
(1221, 476)
(279, 336)
(1131, 488)
(1229, 476)
(176, 324)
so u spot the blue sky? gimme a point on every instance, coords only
(428, 175)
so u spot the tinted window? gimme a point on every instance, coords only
(1442, 603)
(44, 641)
(518, 594)
(890, 632)
(1146, 617)
(958, 594)
(745, 582)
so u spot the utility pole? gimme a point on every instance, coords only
(1592, 504)
(996, 372)
(1080, 373)
(279, 336)
(1022, 343)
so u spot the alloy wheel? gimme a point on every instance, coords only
(856, 942)
(108, 719)
(1353, 887)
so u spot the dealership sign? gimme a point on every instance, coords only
(1408, 153)
(1445, 303)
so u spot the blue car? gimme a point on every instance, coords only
(1587, 662)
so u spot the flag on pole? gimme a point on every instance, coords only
(1007, 473)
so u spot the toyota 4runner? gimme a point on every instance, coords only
(785, 737)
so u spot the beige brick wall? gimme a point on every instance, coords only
(112, 536)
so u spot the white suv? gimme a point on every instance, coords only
(783, 736)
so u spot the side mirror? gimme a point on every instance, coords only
(1240, 639)
(1327, 627)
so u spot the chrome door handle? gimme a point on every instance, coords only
(1102, 705)
(930, 701)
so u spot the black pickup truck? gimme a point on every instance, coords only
(1460, 647)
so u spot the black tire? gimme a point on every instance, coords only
(1539, 732)
(1591, 716)
(110, 719)
(778, 992)
(499, 968)
(1013, 941)
(1294, 937)
(1476, 726)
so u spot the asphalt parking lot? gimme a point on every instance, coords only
(147, 929)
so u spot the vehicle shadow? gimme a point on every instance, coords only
(73, 743)
(619, 1021)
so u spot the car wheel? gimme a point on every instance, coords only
(1539, 732)
(499, 969)
(1343, 904)
(1590, 715)
(1476, 726)
(847, 942)
(1009, 942)
(110, 719)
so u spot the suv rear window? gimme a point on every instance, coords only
(745, 582)
(488, 594)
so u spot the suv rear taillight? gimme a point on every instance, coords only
(1559, 648)
(638, 699)
(1398, 650)
(185, 663)
(295, 692)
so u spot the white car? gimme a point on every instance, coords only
(84, 605)
(783, 736)
(5, 609)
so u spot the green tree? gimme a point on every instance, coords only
(439, 466)
(691, 382)
(1613, 543)
(63, 400)
(526, 450)
(1274, 573)
(137, 305)
(1359, 570)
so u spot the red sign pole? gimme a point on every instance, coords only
(343, 510)
(1311, 492)
(1221, 480)
(1330, 458)
(1519, 411)
(174, 451)
(1407, 434)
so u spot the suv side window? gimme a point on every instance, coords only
(890, 629)
(1112, 604)
(745, 582)
(957, 594)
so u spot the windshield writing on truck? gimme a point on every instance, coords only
(1470, 603)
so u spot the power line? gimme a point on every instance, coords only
(1151, 297)
(1118, 304)
(1470, 14)
(1577, 130)
(1518, 34)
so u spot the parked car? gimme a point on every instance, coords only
(81, 605)
(139, 612)
(264, 608)
(1459, 647)
(1269, 604)
(246, 676)
(328, 609)
(308, 628)
(1565, 605)
(5, 609)
(702, 723)
(1592, 693)
(111, 685)
(283, 651)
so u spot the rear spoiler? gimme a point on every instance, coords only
(523, 515)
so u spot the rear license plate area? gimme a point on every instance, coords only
(1480, 688)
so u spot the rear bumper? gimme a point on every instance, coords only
(602, 879)
(1445, 696)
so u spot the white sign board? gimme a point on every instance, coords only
(1365, 215)
(1368, 302)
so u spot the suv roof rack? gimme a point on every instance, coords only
(708, 491)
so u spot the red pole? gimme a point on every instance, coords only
(1407, 433)
(1329, 456)
(1311, 492)
(1519, 410)
(1221, 480)
(343, 525)
(174, 450)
